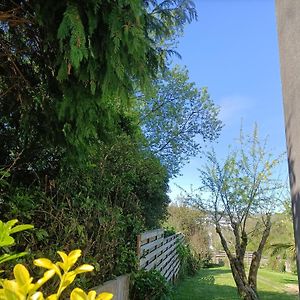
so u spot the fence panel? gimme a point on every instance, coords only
(220, 256)
(158, 252)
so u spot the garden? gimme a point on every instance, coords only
(218, 284)
(97, 121)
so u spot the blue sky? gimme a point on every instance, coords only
(232, 49)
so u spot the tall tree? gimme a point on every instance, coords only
(233, 191)
(177, 118)
(68, 68)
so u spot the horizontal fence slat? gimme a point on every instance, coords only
(172, 273)
(167, 266)
(150, 234)
(151, 245)
(177, 268)
(151, 265)
(171, 248)
(158, 252)
(169, 274)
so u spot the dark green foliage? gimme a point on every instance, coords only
(189, 263)
(68, 69)
(149, 285)
(206, 261)
(168, 231)
(100, 208)
(134, 180)
(101, 231)
(105, 234)
(69, 129)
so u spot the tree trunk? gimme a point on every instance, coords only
(256, 258)
(244, 289)
(238, 272)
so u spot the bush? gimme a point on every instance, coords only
(276, 264)
(149, 285)
(99, 207)
(22, 286)
(189, 263)
(6, 240)
(168, 231)
(205, 261)
(106, 235)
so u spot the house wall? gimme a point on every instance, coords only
(288, 28)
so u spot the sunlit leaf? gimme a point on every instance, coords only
(19, 228)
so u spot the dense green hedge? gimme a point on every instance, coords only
(99, 208)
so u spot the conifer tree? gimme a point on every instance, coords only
(68, 68)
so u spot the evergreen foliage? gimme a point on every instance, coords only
(73, 160)
(99, 208)
(85, 60)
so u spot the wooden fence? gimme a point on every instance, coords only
(158, 252)
(220, 256)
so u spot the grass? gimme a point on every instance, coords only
(218, 284)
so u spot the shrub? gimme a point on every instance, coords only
(206, 261)
(6, 240)
(99, 207)
(276, 264)
(149, 285)
(168, 231)
(189, 263)
(22, 286)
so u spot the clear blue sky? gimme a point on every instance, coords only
(232, 49)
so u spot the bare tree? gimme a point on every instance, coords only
(235, 190)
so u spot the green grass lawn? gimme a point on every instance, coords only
(218, 284)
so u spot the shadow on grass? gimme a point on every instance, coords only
(277, 296)
(203, 287)
(207, 276)
(200, 291)
(292, 281)
(214, 271)
(209, 279)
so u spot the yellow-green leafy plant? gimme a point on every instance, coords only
(6, 240)
(22, 286)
